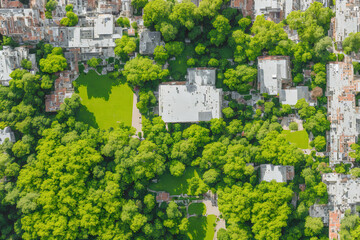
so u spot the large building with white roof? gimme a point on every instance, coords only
(192, 101)
(278, 173)
(343, 113)
(273, 72)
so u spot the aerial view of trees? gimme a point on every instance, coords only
(50, 6)
(71, 18)
(65, 179)
(54, 62)
(140, 70)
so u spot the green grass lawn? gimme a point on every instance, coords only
(201, 228)
(178, 68)
(226, 52)
(105, 101)
(175, 185)
(299, 138)
(197, 208)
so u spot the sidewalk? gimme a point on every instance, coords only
(136, 117)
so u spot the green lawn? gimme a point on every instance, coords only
(299, 138)
(201, 228)
(197, 208)
(105, 101)
(178, 68)
(226, 52)
(175, 185)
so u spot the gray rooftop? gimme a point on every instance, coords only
(343, 114)
(347, 18)
(342, 189)
(149, 41)
(6, 133)
(272, 72)
(292, 95)
(10, 59)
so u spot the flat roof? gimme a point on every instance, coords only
(272, 70)
(192, 101)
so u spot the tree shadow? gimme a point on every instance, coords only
(198, 227)
(197, 208)
(85, 116)
(98, 86)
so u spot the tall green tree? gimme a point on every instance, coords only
(142, 70)
(238, 79)
(54, 62)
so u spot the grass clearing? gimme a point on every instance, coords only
(226, 53)
(197, 208)
(201, 228)
(178, 67)
(105, 101)
(175, 185)
(299, 138)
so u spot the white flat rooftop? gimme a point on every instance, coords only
(194, 101)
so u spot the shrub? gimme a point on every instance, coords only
(191, 62)
(340, 57)
(293, 126)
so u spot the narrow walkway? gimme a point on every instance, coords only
(136, 117)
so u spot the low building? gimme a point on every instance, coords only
(271, 9)
(273, 74)
(246, 6)
(292, 95)
(192, 101)
(24, 25)
(343, 114)
(96, 38)
(11, 4)
(63, 89)
(275, 10)
(279, 173)
(163, 197)
(6, 133)
(344, 194)
(320, 211)
(347, 19)
(149, 41)
(10, 59)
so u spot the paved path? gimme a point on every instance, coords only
(219, 225)
(136, 116)
(210, 209)
(287, 120)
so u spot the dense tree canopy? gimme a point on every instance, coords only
(239, 78)
(138, 4)
(54, 62)
(125, 46)
(352, 43)
(94, 62)
(66, 180)
(140, 70)
(71, 18)
(184, 13)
